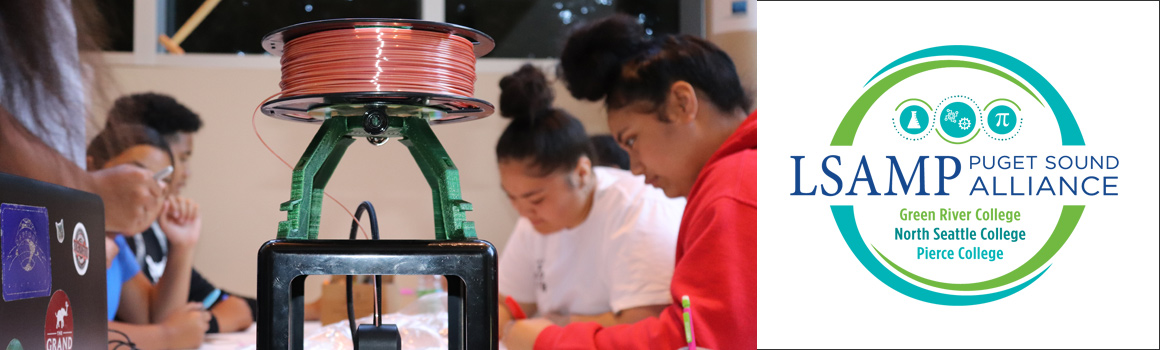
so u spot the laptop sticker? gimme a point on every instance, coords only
(24, 251)
(80, 248)
(60, 231)
(58, 323)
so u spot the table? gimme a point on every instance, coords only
(246, 339)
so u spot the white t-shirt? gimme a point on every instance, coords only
(619, 258)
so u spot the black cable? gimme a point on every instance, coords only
(126, 343)
(122, 334)
(370, 209)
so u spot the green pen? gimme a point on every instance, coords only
(688, 315)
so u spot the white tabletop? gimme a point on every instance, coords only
(246, 339)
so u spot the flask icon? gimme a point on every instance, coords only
(913, 125)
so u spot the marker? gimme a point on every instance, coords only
(211, 298)
(164, 173)
(688, 315)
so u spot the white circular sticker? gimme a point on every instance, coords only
(80, 248)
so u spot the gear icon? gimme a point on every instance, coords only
(964, 123)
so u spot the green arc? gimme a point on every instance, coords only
(1002, 99)
(844, 136)
(960, 142)
(914, 99)
(1068, 218)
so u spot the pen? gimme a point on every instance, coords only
(688, 315)
(161, 175)
(211, 298)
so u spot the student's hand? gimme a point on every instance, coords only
(626, 316)
(132, 197)
(185, 327)
(233, 315)
(505, 315)
(111, 250)
(606, 319)
(557, 318)
(181, 221)
(523, 334)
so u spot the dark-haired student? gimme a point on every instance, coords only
(154, 316)
(676, 105)
(592, 243)
(608, 152)
(177, 125)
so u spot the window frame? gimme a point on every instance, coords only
(149, 15)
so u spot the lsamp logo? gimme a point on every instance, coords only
(945, 211)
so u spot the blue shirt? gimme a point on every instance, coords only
(123, 269)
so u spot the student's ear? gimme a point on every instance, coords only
(681, 105)
(583, 169)
(89, 163)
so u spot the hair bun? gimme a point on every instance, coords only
(593, 55)
(524, 93)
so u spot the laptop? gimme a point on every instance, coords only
(52, 266)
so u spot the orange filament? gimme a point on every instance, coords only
(375, 59)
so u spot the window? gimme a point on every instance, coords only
(523, 29)
(536, 29)
(118, 16)
(237, 26)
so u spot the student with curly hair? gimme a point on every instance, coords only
(592, 243)
(675, 103)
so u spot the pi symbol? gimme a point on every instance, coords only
(1002, 119)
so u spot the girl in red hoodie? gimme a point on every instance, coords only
(676, 105)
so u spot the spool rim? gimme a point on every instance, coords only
(298, 108)
(273, 43)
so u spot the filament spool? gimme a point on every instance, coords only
(417, 75)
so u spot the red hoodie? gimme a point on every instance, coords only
(716, 264)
